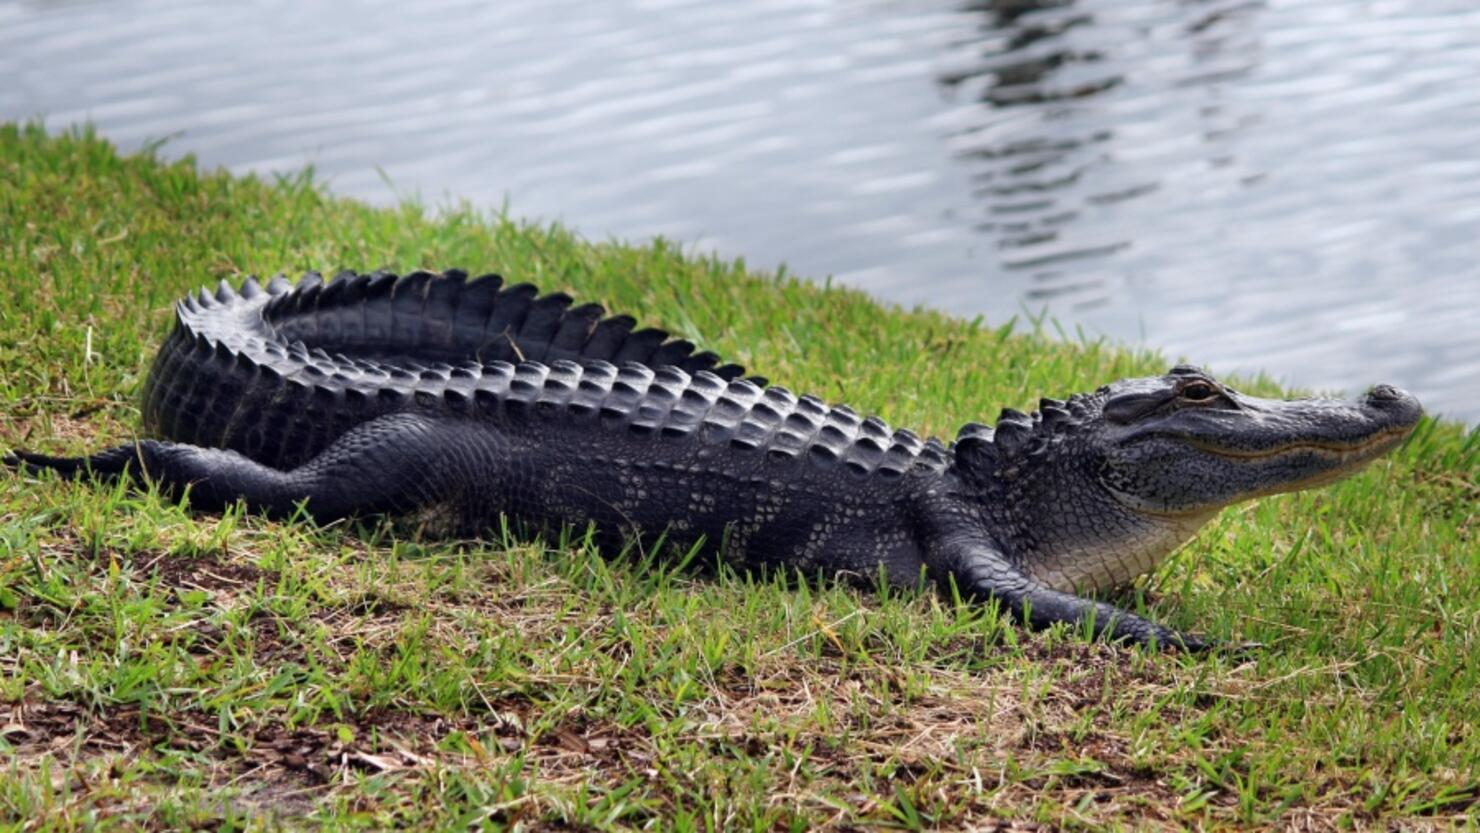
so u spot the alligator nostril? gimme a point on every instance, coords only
(1384, 393)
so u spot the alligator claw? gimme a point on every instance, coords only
(1192, 644)
(1173, 641)
(1203, 645)
(1241, 649)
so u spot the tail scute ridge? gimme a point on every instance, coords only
(375, 334)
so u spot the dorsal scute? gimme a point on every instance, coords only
(564, 375)
(305, 297)
(529, 375)
(512, 305)
(251, 288)
(575, 328)
(735, 401)
(671, 377)
(707, 384)
(298, 352)
(598, 377)
(525, 386)
(767, 413)
(633, 378)
(906, 439)
(640, 346)
(338, 289)
(668, 385)
(559, 385)
(607, 337)
(380, 285)
(592, 386)
(536, 334)
(672, 352)
(934, 452)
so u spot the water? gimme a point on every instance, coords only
(1290, 186)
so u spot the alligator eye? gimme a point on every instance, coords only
(1199, 392)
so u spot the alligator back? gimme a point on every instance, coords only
(277, 373)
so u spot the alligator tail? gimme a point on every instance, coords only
(277, 372)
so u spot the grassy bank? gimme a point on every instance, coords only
(163, 669)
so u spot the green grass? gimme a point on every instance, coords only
(159, 669)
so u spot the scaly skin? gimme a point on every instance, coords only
(423, 396)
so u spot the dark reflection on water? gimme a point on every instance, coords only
(1287, 185)
(1051, 181)
(1291, 185)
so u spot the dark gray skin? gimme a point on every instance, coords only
(1082, 495)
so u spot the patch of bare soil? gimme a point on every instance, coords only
(379, 739)
(79, 427)
(272, 751)
(204, 572)
(210, 572)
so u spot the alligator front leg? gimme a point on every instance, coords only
(981, 572)
(396, 464)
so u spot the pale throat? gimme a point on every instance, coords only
(1112, 553)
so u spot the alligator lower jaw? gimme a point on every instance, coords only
(1336, 452)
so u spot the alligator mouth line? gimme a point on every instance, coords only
(1353, 450)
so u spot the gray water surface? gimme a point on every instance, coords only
(1290, 186)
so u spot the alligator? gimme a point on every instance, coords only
(464, 404)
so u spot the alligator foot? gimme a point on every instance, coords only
(985, 574)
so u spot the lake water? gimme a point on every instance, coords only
(1292, 185)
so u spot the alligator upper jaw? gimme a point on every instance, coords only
(1335, 432)
(1337, 451)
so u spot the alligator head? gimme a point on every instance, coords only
(1105, 485)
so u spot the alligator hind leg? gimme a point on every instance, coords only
(397, 464)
